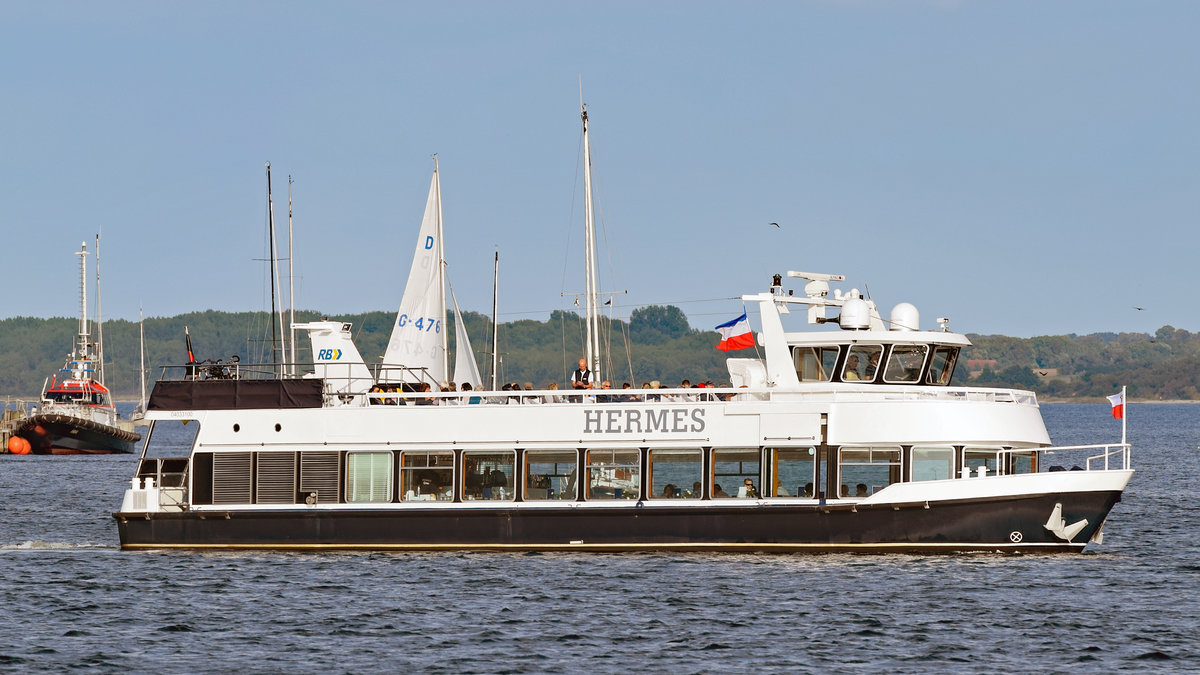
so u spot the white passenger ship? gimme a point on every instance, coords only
(846, 438)
(850, 436)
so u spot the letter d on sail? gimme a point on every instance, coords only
(428, 243)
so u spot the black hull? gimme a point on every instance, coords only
(54, 434)
(1013, 524)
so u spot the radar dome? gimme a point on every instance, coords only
(856, 314)
(905, 317)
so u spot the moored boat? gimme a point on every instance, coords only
(76, 414)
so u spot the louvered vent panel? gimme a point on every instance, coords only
(231, 478)
(319, 473)
(276, 478)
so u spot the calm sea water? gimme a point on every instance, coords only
(70, 599)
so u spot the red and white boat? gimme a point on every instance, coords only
(77, 414)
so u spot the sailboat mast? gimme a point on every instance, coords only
(592, 291)
(142, 370)
(441, 277)
(495, 326)
(83, 322)
(291, 288)
(274, 278)
(99, 318)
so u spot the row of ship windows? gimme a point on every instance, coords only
(904, 364)
(607, 474)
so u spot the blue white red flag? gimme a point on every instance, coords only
(735, 334)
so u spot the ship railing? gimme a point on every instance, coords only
(1106, 457)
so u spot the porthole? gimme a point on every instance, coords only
(278, 427)
(237, 428)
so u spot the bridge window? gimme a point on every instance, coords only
(905, 362)
(941, 367)
(613, 474)
(369, 477)
(932, 463)
(489, 475)
(550, 474)
(862, 363)
(426, 475)
(675, 474)
(865, 471)
(814, 364)
(792, 472)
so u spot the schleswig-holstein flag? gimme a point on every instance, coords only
(735, 334)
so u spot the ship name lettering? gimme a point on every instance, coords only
(633, 421)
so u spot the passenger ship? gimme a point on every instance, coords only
(851, 439)
(844, 438)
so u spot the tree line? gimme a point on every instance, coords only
(656, 343)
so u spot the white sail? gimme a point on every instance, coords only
(417, 348)
(465, 368)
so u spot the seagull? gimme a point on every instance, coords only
(775, 224)
(1139, 308)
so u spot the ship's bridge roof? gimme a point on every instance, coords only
(840, 337)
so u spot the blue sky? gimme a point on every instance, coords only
(1024, 168)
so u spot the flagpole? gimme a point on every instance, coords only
(1124, 417)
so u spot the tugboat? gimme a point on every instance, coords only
(76, 414)
(848, 437)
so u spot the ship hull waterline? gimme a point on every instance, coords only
(1013, 524)
(66, 435)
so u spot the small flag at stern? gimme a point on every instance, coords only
(1118, 404)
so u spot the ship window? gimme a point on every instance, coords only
(613, 474)
(488, 475)
(904, 363)
(1023, 462)
(814, 364)
(865, 471)
(792, 472)
(369, 477)
(732, 467)
(862, 363)
(932, 463)
(426, 475)
(550, 474)
(974, 458)
(675, 474)
(941, 367)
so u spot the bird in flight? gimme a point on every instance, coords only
(775, 224)
(1139, 308)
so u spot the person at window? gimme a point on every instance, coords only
(872, 365)
(851, 369)
(718, 493)
(424, 400)
(860, 490)
(696, 493)
(845, 491)
(466, 387)
(669, 490)
(605, 398)
(808, 490)
(751, 491)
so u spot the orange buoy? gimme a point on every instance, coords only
(19, 446)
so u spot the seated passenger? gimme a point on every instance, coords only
(860, 490)
(851, 372)
(718, 493)
(466, 387)
(808, 490)
(748, 490)
(552, 398)
(696, 491)
(845, 491)
(669, 490)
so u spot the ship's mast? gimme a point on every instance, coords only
(83, 322)
(441, 276)
(274, 255)
(592, 290)
(99, 319)
(495, 326)
(291, 289)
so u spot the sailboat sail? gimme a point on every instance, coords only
(417, 348)
(465, 368)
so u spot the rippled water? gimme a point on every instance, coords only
(70, 599)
